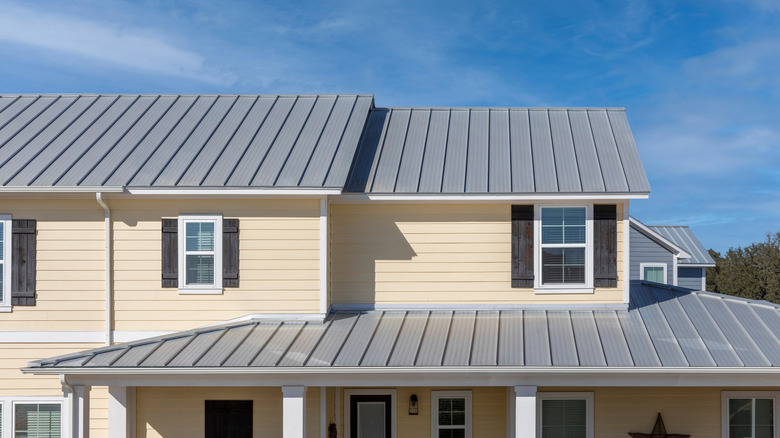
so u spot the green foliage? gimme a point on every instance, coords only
(750, 272)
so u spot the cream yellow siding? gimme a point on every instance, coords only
(445, 253)
(14, 384)
(180, 412)
(279, 263)
(70, 267)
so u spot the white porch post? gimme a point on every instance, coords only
(525, 411)
(121, 411)
(294, 411)
(76, 411)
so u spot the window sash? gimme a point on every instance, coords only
(436, 398)
(547, 276)
(584, 428)
(200, 253)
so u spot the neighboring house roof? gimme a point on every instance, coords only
(683, 237)
(498, 150)
(248, 141)
(670, 246)
(663, 327)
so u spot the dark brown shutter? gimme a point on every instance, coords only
(522, 246)
(170, 253)
(23, 247)
(605, 246)
(230, 253)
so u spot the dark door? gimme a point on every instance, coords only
(369, 416)
(228, 418)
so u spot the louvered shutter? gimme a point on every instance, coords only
(522, 246)
(23, 253)
(605, 246)
(230, 252)
(170, 253)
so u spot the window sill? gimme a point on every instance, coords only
(193, 291)
(563, 290)
(6, 309)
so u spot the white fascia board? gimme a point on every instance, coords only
(355, 198)
(168, 192)
(419, 376)
(504, 306)
(696, 265)
(661, 240)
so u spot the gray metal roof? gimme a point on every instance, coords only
(497, 150)
(663, 327)
(257, 141)
(683, 237)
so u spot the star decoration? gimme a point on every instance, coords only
(659, 431)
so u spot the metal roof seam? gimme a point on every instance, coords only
(341, 140)
(739, 329)
(447, 338)
(671, 330)
(695, 329)
(552, 150)
(346, 337)
(265, 343)
(39, 151)
(114, 360)
(90, 146)
(371, 338)
(596, 150)
(206, 142)
(533, 168)
(487, 159)
(468, 144)
(397, 337)
(422, 155)
(617, 148)
(36, 134)
(239, 344)
(316, 142)
(178, 148)
(290, 344)
(403, 148)
(647, 332)
(574, 148)
(600, 339)
(761, 321)
(574, 337)
(8, 105)
(213, 343)
(378, 151)
(224, 147)
(19, 113)
(446, 149)
(472, 338)
(328, 324)
(251, 141)
(27, 123)
(154, 349)
(192, 337)
(276, 136)
(119, 139)
(422, 336)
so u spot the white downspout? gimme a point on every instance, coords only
(99, 197)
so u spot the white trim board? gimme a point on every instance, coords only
(352, 198)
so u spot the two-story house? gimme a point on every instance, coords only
(291, 266)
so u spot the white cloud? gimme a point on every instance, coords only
(103, 41)
(749, 65)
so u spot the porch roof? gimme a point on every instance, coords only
(663, 327)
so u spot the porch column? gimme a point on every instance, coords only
(525, 411)
(294, 412)
(76, 411)
(121, 411)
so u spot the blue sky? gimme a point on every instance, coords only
(700, 81)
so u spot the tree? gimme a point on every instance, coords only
(750, 272)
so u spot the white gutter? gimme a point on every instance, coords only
(194, 191)
(56, 189)
(99, 198)
(484, 198)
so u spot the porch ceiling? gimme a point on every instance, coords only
(663, 327)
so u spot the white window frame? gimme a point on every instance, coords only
(727, 395)
(642, 267)
(348, 393)
(569, 288)
(7, 405)
(587, 396)
(200, 289)
(5, 302)
(435, 396)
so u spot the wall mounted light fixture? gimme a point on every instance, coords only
(413, 409)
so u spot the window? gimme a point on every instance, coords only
(451, 414)
(749, 414)
(200, 254)
(5, 261)
(655, 272)
(31, 417)
(565, 414)
(564, 256)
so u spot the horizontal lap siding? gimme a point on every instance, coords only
(70, 284)
(690, 277)
(14, 384)
(644, 250)
(394, 254)
(279, 263)
(180, 412)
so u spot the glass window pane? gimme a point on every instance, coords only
(655, 274)
(563, 265)
(564, 418)
(740, 413)
(200, 269)
(563, 225)
(371, 419)
(37, 421)
(200, 236)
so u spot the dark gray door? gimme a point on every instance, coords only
(228, 418)
(370, 416)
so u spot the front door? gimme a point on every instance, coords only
(369, 416)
